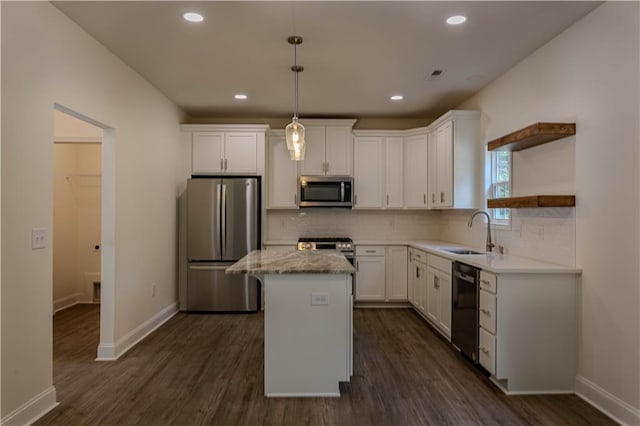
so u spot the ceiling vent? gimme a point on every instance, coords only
(435, 75)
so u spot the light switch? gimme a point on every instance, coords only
(38, 238)
(319, 299)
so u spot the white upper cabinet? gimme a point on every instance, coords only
(226, 149)
(367, 173)
(393, 172)
(328, 148)
(455, 161)
(416, 177)
(378, 170)
(282, 174)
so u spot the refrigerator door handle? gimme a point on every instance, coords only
(223, 219)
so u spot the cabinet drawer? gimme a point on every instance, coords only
(439, 263)
(487, 351)
(420, 256)
(488, 282)
(369, 250)
(487, 311)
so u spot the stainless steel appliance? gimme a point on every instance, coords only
(464, 309)
(342, 244)
(326, 191)
(223, 225)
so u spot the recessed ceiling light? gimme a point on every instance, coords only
(193, 17)
(240, 96)
(456, 20)
(397, 97)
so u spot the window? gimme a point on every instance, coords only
(500, 183)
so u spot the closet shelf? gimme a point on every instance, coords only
(532, 201)
(533, 135)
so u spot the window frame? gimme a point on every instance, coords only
(500, 223)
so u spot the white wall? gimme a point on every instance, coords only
(588, 74)
(360, 225)
(47, 59)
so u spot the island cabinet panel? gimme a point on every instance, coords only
(528, 331)
(308, 334)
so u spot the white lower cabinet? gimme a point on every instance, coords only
(381, 273)
(439, 293)
(528, 331)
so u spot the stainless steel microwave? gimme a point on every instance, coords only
(326, 191)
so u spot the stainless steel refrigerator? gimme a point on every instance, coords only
(223, 225)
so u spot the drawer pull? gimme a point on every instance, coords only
(485, 282)
(369, 251)
(485, 311)
(484, 350)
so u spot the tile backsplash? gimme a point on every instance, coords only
(545, 234)
(288, 225)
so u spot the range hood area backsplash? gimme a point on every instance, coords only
(545, 234)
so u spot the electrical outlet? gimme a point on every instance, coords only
(153, 289)
(38, 238)
(319, 299)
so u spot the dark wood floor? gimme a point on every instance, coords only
(208, 369)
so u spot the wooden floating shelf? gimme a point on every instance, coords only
(532, 201)
(530, 136)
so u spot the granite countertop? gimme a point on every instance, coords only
(292, 261)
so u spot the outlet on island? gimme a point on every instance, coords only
(319, 299)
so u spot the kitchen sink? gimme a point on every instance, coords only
(462, 251)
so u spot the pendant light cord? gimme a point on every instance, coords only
(295, 64)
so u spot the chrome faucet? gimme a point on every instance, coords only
(490, 245)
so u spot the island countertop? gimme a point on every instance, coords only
(292, 261)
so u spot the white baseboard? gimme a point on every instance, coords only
(33, 409)
(66, 302)
(609, 404)
(111, 352)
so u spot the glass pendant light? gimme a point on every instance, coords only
(294, 132)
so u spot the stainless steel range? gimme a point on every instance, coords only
(341, 244)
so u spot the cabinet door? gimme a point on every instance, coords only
(207, 152)
(393, 172)
(433, 295)
(282, 176)
(338, 151)
(367, 176)
(313, 163)
(444, 321)
(370, 277)
(396, 270)
(241, 152)
(445, 165)
(434, 202)
(416, 168)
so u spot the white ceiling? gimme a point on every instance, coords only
(355, 54)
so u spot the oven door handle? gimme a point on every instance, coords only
(342, 192)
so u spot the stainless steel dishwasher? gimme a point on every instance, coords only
(464, 309)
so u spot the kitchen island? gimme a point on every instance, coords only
(308, 320)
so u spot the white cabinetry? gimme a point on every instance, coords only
(528, 331)
(455, 161)
(226, 149)
(328, 149)
(282, 174)
(367, 173)
(417, 275)
(370, 273)
(439, 293)
(381, 273)
(378, 169)
(416, 166)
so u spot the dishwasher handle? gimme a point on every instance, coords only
(463, 277)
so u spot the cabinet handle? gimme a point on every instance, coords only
(221, 164)
(485, 311)
(369, 251)
(225, 164)
(424, 198)
(486, 282)
(387, 199)
(410, 256)
(442, 197)
(295, 199)
(355, 199)
(417, 272)
(483, 350)
(357, 266)
(327, 169)
(433, 197)
(436, 283)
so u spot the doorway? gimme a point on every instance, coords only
(77, 240)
